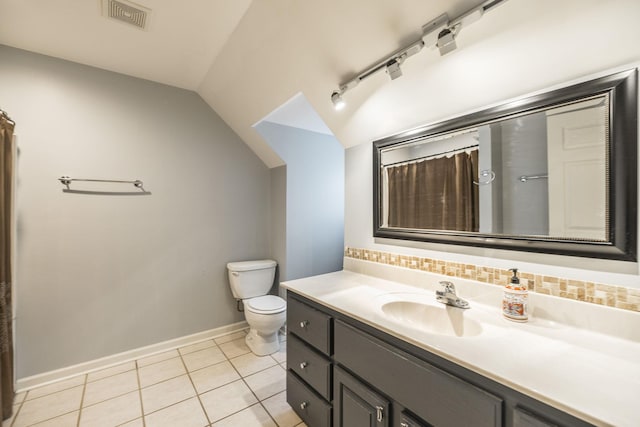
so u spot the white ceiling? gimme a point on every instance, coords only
(182, 41)
(245, 58)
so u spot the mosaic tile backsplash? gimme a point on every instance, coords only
(591, 292)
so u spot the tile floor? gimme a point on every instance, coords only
(215, 383)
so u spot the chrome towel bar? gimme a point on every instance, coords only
(68, 180)
(525, 178)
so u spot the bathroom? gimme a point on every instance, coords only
(99, 276)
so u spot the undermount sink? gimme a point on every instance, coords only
(435, 319)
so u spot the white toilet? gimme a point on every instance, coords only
(250, 282)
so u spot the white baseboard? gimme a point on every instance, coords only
(24, 384)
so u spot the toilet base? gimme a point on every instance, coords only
(262, 345)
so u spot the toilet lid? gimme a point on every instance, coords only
(267, 304)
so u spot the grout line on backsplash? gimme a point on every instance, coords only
(579, 290)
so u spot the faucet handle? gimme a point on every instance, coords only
(449, 287)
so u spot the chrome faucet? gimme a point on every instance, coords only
(448, 296)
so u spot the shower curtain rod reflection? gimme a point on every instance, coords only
(68, 180)
(417, 159)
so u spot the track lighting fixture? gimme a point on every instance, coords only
(393, 69)
(336, 96)
(338, 102)
(446, 41)
(440, 32)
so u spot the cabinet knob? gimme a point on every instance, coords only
(303, 365)
(304, 405)
(304, 324)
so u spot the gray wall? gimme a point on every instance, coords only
(314, 199)
(102, 274)
(278, 228)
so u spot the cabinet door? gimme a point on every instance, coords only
(356, 405)
(522, 418)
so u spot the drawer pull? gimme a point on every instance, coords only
(379, 410)
(403, 424)
(303, 365)
(304, 405)
(304, 324)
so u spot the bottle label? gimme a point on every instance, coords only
(514, 305)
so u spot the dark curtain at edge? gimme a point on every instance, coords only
(435, 194)
(6, 209)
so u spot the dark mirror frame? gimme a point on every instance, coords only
(622, 164)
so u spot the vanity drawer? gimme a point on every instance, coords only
(310, 365)
(432, 394)
(313, 410)
(309, 324)
(408, 420)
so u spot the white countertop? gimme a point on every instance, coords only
(593, 376)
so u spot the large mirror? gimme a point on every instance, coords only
(554, 173)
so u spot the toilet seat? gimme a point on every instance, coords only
(266, 304)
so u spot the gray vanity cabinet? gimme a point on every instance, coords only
(344, 373)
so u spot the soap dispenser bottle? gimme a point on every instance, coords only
(515, 301)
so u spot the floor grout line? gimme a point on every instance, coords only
(48, 419)
(195, 390)
(236, 412)
(15, 416)
(253, 392)
(84, 390)
(169, 406)
(137, 367)
(144, 422)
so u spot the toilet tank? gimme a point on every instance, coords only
(249, 279)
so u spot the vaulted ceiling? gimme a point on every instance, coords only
(182, 41)
(248, 57)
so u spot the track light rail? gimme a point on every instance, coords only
(440, 32)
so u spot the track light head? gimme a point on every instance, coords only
(393, 69)
(338, 102)
(446, 41)
(440, 32)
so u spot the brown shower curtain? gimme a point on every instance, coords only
(435, 194)
(6, 209)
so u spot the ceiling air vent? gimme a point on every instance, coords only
(128, 12)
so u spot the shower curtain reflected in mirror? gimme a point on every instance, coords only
(435, 194)
(6, 236)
